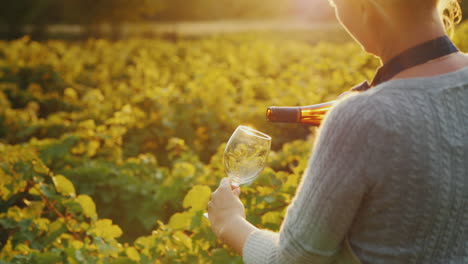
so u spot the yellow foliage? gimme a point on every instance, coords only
(144, 244)
(7, 250)
(93, 147)
(87, 124)
(180, 220)
(263, 190)
(64, 185)
(105, 229)
(14, 213)
(56, 225)
(183, 238)
(273, 217)
(4, 192)
(73, 225)
(79, 149)
(22, 248)
(178, 101)
(36, 189)
(292, 180)
(19, 186)
(132, 253)
(33, 208)
(70, 94)
(89, 208)
(39, 167)
(197, 198)
(42, 223)
(77, 244)
(183, 170)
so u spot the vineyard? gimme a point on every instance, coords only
(109, 150)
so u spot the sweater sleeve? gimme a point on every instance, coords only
(330, 193)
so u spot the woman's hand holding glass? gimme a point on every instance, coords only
(244, 158)
(225, 206)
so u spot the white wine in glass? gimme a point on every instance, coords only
(246, 154)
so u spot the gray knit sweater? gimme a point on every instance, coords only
(389, 174)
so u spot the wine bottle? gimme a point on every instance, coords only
(311, 114)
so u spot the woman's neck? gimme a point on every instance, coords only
(407, 36)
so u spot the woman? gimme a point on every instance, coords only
(388, 179)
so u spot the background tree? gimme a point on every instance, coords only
(93, 13)
(15, 15)
(177, 10)
(464, 6)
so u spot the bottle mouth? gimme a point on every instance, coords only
(254, 132)
(283, 114)
(269, 113)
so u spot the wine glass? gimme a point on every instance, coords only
(246, 154)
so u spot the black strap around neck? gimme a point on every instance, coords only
(420, 54)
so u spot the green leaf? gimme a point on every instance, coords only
(57, 149)
(105, 247)
(64, 185)
(48, 257)
(39, 167)
(56, 228)
(48, 191)
(8, 223)
(197, 219)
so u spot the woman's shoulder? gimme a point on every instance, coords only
(372, 111)
(358, 111)
(363, 104)
(398, 101)
(386, 94)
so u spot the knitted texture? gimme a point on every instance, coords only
(389, 172)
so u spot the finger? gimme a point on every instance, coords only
(212, 196)
(236, 191)
(225, 184)
(232, 185)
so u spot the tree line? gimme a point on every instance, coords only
(16, 15)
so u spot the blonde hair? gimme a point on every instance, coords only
(450, 12)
